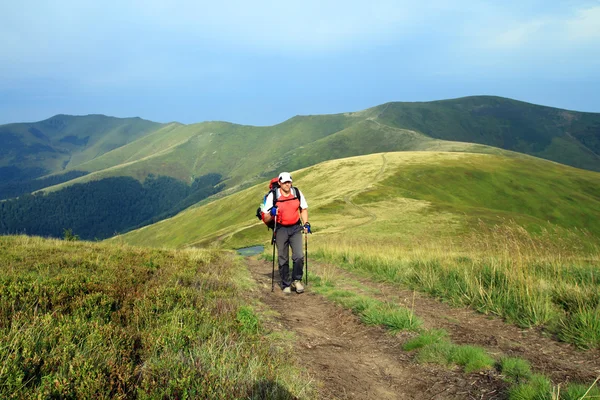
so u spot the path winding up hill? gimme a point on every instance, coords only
(352, 361)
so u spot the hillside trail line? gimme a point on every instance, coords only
(350, 360)
(560, 361)
(348, 198)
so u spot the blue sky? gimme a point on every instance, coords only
(261, 62)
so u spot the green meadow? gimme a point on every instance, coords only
(515, 237)
(446, 198)
(92, 320)
(166, 311)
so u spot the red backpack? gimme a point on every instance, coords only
(273, 186)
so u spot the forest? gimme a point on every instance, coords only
(14, 181)
(100, 209)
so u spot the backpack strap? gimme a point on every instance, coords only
(275, 197)
(296, 192)
(298, 195)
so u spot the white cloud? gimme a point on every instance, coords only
(584, 26)
(533, 40)
(562, 30)
(520, 35)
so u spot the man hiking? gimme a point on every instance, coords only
(291, 213)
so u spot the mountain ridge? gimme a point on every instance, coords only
(563, 147)
(569, 137)
(65, 141)
(243, 155)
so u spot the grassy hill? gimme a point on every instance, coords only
(245, 154)
(568, 137)
(30, 150)
(401, 197)
(511, 236)
(95, 148)
(237, 152)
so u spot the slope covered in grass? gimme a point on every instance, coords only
(244, 154)
(401, 196)
(65, 141)
(89, 320)
(526, 190)
(569, 137)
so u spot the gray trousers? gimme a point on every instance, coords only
(285, 237)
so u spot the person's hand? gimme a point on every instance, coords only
(273, 211)
(307, 228)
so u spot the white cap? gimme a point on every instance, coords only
(285, 177)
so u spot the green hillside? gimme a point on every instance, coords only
(398, 197)
(568, 137)
(238, 152)
(109, 147)
(368, 137)
(64, 141)
(245, 154)
(134, 147)
(95, 148)
(99, 209)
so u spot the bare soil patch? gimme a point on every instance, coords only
(352, 361)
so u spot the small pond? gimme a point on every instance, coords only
(251, 251)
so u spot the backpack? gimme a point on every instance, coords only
(273, 186)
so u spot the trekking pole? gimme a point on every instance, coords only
(306, 257)
(273, 243)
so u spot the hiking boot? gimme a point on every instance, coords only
(298, 286)
(287, 290)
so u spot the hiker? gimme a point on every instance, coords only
(291, 213)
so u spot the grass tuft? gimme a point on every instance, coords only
(515, 369)
(576, 391)
(538, 387)
(442, 351)
(425, 339)
(437, 353)
(472, 358)
(582, 328)
(371, 311)
(248, 321)
(394, 318)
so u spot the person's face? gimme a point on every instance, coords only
(285, 186)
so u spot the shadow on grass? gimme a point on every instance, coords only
(266, 389)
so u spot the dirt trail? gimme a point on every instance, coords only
(353, 361)
(562, 362)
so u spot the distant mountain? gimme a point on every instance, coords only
(92, 148)
(243, 154)
(30, 150)
(135, 147)
(568, 137)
